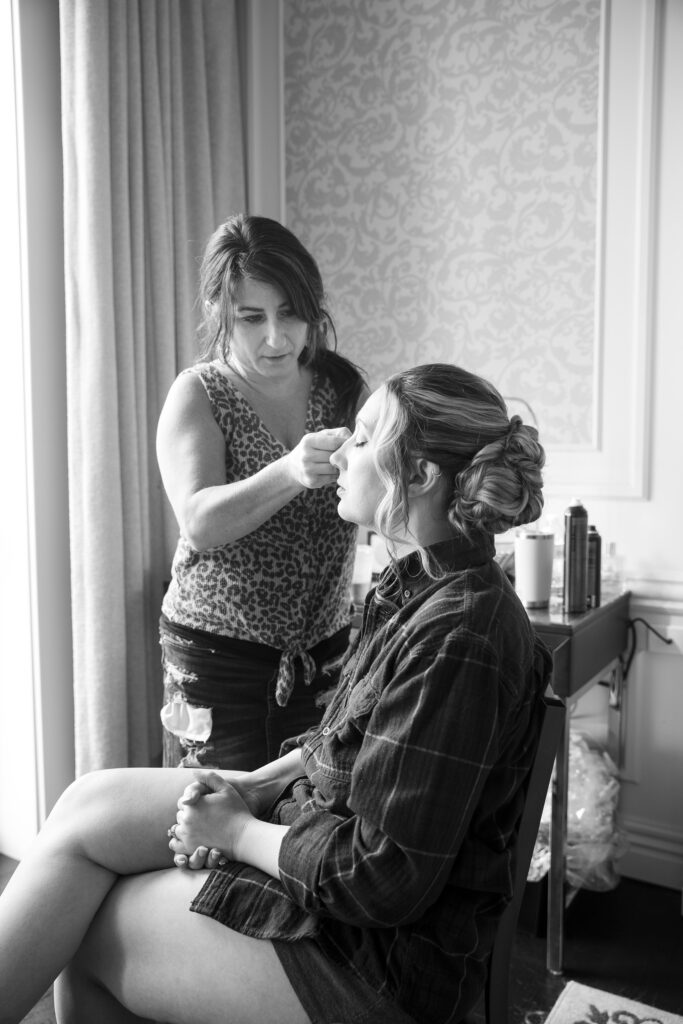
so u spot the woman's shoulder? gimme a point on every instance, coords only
(205, 379)
(201, 391)
(205, 372)
(474, 603)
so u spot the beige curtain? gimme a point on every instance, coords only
(153, 160)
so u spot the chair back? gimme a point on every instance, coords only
(496, 995)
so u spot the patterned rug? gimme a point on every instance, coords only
(579, 1004)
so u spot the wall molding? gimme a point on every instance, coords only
(265, 109)
(654, 854)
(616, 464)
(660, 601)
(655, 851)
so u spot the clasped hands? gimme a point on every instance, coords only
(212, 815)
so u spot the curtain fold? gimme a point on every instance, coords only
(153, 161)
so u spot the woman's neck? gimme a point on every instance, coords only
(433, 532)
(425, 528)
(427, 518)
(256, 385)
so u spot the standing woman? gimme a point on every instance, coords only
(256, 616)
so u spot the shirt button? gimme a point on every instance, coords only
(326, 730)
(406, 593)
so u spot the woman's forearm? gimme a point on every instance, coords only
(219, 815)
(225, 513)
(263, 785)
(259, 845)
(221, 513)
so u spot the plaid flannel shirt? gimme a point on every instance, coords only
(399, 856)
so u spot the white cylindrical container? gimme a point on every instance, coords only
(534, 551)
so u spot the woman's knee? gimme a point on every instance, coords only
(97, 806)
(77, 801)
(118, 818)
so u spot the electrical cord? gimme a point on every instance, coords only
(632, 634)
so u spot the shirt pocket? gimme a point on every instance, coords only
(343, 736)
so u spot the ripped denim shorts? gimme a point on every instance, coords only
(219, 697)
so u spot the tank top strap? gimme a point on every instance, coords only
(227, 404)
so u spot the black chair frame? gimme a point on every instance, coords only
(498, 979)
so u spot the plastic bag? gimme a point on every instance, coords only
(594, 841)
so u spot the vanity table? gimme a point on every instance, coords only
(585, 647)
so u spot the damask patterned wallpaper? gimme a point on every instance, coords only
(441, 163)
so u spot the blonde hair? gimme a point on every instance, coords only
(459, 422)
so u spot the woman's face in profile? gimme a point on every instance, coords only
(359, 486)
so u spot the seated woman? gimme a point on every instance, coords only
(361, 875)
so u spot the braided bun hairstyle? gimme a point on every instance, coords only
(460, 422)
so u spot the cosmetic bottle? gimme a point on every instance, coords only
(594, 568)
(575, 557)
(612, 570)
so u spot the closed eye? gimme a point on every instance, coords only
(250, 318)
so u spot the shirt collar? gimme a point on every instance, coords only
(408, 577)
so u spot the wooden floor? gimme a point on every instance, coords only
(628, 941)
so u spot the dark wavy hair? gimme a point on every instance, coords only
(459, 422)
(261, 249)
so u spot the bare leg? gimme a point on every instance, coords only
(106, 824)
(146, 957)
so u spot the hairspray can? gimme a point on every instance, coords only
(594, 567)
(575, 557)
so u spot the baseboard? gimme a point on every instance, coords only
(654, 854)
(658, 598)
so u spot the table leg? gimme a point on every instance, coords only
(558, 839)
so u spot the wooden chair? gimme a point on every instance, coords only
(496, 993)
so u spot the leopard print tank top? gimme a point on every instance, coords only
(286, 584)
